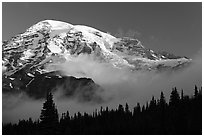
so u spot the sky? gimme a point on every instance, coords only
(172, 27)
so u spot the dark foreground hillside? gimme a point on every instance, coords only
(181, 115)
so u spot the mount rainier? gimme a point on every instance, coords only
(26, 57)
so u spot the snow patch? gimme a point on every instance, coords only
(53, 47)
(27, 54)
(10, 84)
(59, 25)
(31, 75)
(11, 78)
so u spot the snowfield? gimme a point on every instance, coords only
(51, 41)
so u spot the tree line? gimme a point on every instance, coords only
(182, 115)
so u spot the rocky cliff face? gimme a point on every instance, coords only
(36, 87)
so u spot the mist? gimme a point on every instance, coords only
(120, 85)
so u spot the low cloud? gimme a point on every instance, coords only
(119, 86)
(123, 85)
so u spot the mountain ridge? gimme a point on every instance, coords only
(64, 39)
(30, 54)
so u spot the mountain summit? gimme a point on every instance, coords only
(52, 41)
(48, 42)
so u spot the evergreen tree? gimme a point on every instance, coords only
(174, 97)
(162, 101)
(152, 104)
(101, 110)
(67, 116)
(106, 109)
(182, 96)
(143, 108)
(120, 108)
(182, 118)
(127, 108)
(49, 115)
(137, 110)
(196, 91)
(147, 106)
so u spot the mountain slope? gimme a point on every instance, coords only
(54, 41)
(30, 54)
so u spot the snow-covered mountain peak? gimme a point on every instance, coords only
(28, 58)
(59, 28)
(55, 25)
(51, 25)
(51, 41)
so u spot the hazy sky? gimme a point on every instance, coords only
(172, 27)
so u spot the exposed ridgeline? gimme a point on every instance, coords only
(182, 115)
(51, 42)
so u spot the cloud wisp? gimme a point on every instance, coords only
(119, 86)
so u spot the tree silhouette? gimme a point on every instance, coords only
(152, 104)
(196, 91)
(127, 108)
(137, 110)
(178, 117)
(120, 108)
(162, 101)
(182, 96)
(49, 115)
(174, 97)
